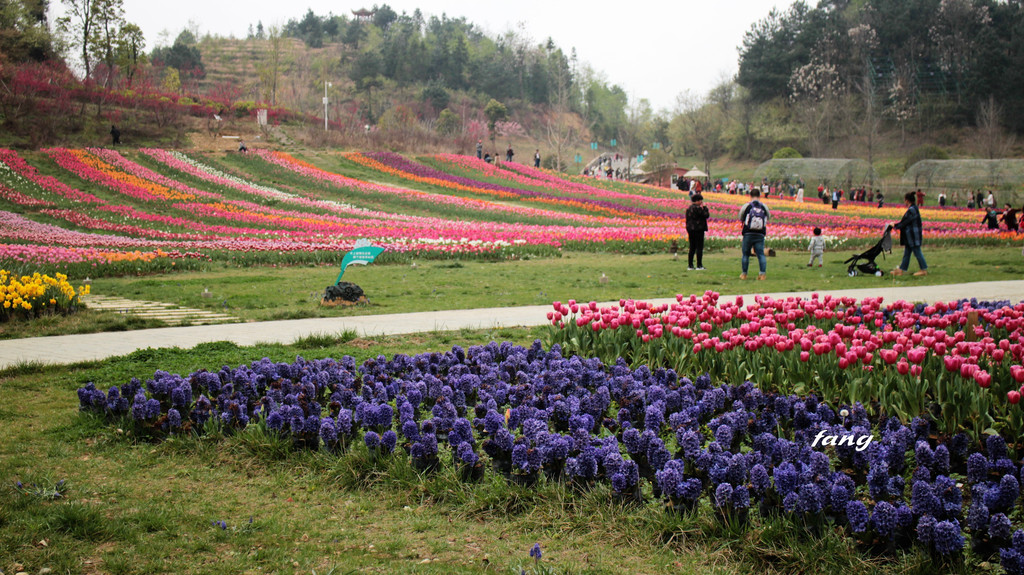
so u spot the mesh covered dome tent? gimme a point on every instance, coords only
(960, 174)
(829, 171)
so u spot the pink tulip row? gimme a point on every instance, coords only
(131, 213)
(16, 163)
(115, 160)
(17, 228)
(450, 232)
(84, 221)
(11, 159)
(512, 173)
(48, 255)
(21, 199)
(897, 334)
(128, 186)
(484, 206)
(867, 222)
(187, 165)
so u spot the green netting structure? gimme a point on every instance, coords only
(841, 172)
(964, 174)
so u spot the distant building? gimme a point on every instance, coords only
(364, 15)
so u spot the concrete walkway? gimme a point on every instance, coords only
(66, 349)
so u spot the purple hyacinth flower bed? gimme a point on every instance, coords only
(652, 437)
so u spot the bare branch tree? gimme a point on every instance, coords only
(562, 132)
(989, 135)
(699, 125)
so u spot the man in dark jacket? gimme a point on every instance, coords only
(754, 216)
(910, 237)
(1009, 217)
(696, 224)
(991, 219)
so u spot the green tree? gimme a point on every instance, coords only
(128, 50)
(786, 154)
(495, 112)
(404, 54)
(604, 109)
(635, 134)
(103, 42)
(78, 27)
(448, 123)
(435, 94)
(354, 34)
(774, 47)
(309, 29)
(24, 34)
(183, 55)
(384, 16)
(367, 72)
(398, 120)
(172, 80)
(270, 69)
(957, 27)
(562, 127)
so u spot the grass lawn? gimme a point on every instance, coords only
(150, 508)
(269, 293)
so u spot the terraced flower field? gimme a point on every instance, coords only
(145, 209)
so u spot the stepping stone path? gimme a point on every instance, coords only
(167, 312)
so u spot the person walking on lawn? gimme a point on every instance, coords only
(754, 216)
(696, 224)
(910, 237)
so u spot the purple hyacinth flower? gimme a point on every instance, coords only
(173, 418)
(977, 468)
(759, 479)
(857, 514)
(791, 502)
(947, 539)
(740, 498)
(388, 441)
(372, 440)
(926, 529)
(999, 527)
(884, 519)
(722, 494)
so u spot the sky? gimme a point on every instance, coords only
(654, 50)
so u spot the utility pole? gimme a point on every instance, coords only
(326, 85)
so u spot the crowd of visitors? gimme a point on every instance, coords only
(755, 215)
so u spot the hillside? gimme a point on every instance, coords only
(236, 66)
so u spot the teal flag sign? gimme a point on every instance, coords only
(614, 143)
(593, 145)
(360, 255)
(579, 159)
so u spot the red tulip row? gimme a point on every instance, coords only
(901, 355)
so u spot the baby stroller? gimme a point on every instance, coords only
(865, 263)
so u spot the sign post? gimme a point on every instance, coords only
(326, 85)
(363, 253)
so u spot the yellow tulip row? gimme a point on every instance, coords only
(37, 292)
